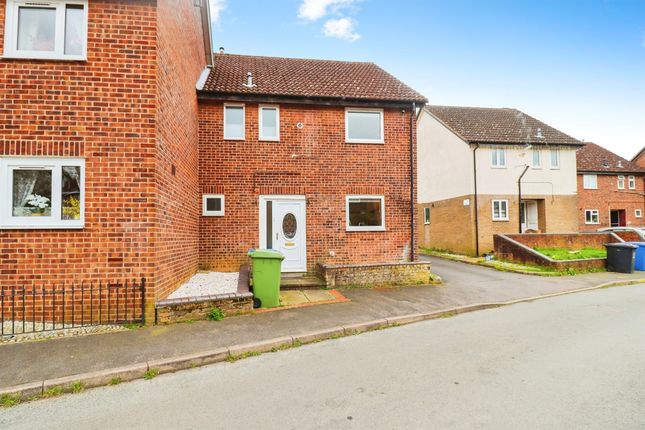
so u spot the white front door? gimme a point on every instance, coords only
(284, 229)
(529, 215)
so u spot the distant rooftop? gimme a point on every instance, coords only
(303, 78)
(499, 125)
(596, 159)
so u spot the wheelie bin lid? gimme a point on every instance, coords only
(621, 245)
(266, 253)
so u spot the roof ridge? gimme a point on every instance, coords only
(217, 54)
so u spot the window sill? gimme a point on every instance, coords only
(501, 220)
(264, 139)
(212, 214)
(364, 229)
(81, 58)
(366, 142)
(237, 139)
(498, 167)
(43, 227)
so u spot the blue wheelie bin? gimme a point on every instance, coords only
(639, 261)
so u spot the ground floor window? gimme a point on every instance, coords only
(500, 210)
(42, 192)
(365, 213)
(426, 216)
(213, 205)
(591, 216)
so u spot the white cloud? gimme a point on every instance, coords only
(342, 28)
(217, 6)
(313, 10)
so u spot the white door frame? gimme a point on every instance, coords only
(263, 199)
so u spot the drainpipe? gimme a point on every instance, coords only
(412, 202)
(519, 197)
(475, 202)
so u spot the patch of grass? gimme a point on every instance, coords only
(151, 373)
(234, 358)
(115, 381)
(53, 392)
(568, 254)
(77, 387)
(132, 326)
(215, 314)
(7, 401)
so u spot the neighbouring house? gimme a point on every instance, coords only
(610, 189)
(99, 141)
(486, 171)
(639, 159)
(313, 158)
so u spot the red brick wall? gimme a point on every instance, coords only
(180, 62)
(608, 197)
(313, 161)
(102, 109)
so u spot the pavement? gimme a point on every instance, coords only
(573, 361)
(35, 362)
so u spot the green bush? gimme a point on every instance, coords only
(215, 314)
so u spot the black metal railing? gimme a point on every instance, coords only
(38, 309)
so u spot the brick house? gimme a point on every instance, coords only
(498, 171)
(610, 189)
(639, 159)
(98, 141)
(309, 157)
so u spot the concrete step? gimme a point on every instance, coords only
(290, 282)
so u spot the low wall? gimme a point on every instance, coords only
(197, 308)
(376, 275)
(628, 236)
(518, 248)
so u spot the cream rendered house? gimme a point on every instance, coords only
(486, 171)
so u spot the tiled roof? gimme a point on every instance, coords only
(499, 125)
(292, 77)
(595, 158)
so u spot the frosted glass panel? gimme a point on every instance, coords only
(364, 125)
(74, 29)
(36, 29)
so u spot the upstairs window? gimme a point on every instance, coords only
(555, 159)
(498, 158)
(234, 122)
(52, 29)
(364, 126)
(590, 182)
(631, 181)
(269, 123)
(621, 182)
(537, 159)
(42, 192)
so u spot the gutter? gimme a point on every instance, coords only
(412, 199)
(476, 202)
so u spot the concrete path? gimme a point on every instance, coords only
(465, 285)
(569, 362)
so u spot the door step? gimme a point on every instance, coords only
(290, 282)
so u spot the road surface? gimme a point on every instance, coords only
(575, 361)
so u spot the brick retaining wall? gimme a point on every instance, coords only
(375, 275)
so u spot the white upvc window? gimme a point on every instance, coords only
(498, 158)
(364, 125)
(555, 159)
(590, 182)
(638, 213)
(213, 205)
(365, 213)
(46, 29)
(537, 159)
(500, 210)
(621, 182)
(592, 216)
(42, 193)
(426, 216)
(631, 181)
(269, 122)
(234, 121)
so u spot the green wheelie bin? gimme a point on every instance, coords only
(265, 267)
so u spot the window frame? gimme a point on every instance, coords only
(11, 30)
(592, 211)
(494, 218)
(426, 216)
(366, 227)
(638, 213)
(235, 105)
(380, 141)
(620, 182)
(631, 182)
(206, 212)
(539, 156)
(492, 154)
(260, 123)
(584, 182)
(10, 222)
(555, 166)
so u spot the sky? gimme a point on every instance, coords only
(578, 66)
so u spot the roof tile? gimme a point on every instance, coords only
(595, 158)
